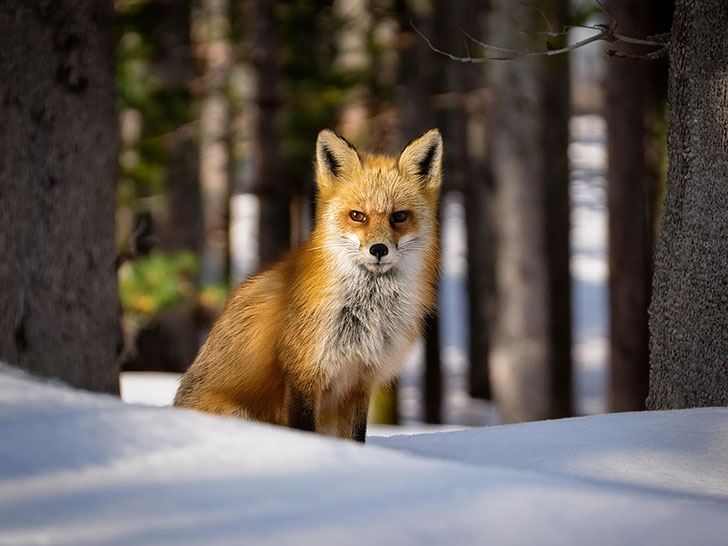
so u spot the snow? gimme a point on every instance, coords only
(151, 388)
(679, 451)
(80, 468)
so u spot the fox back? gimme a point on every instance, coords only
(304, 343)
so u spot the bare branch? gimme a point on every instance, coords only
(465, 42)
(612, 19)
(603, 33)
(657, 54)
(639, 41)
(549, 33)
(133, 244)
(445, 53)
(539, 11)
(516, 54)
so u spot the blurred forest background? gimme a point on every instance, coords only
(218, 104)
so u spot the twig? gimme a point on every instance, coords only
(132, 248)
(603, 33)
(646, 57)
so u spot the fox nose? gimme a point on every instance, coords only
(378, 250)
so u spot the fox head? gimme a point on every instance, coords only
(378, 213)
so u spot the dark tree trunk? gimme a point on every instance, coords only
(183, 226)
(432, 385)
(418, 77)
(58, 140)
(213, 41)
(554, 135)
(630, 230)
(274, 231)
(531, 354)
(478, 190)
(481, 265)
(416, 72)
(689, 309)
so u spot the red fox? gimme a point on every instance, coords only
(304, 343)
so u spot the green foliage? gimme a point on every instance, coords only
(157, 282)
(212, 296)
(163, 106)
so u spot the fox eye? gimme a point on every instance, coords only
(399, 217)
(357, 216)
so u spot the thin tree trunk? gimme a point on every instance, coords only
(465, 171)
(689, 309)
(58, 140)
(531, 362)
(630, 230)
(432, 385)
(481, 264)
(274, 196)
(478, 190)
(418, 77)
(554, 135)
(212, 35)
(182, 229)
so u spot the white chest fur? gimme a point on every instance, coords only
(370, 327)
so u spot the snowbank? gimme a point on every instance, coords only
(77, 468)
(667, 451)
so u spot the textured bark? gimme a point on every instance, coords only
(531, 353)
(58, 140)
(629, 205)
(689, 309)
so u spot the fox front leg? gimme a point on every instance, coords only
(353, 416)
(360, 421)
(301, 410)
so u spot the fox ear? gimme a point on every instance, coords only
(335, 158)
(422, 158)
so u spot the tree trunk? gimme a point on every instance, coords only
(481, 264)
(212, 36)
(274, 228)
(531, 353)
(465, 170)
(478, 190)
(630, 230)
(418, 77)
(182, 229)
(432, 384)
(554, 135)
(58, 139)
(689, 309)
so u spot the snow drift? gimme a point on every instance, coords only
(80, 468)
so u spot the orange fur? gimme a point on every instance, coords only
(295, 336)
